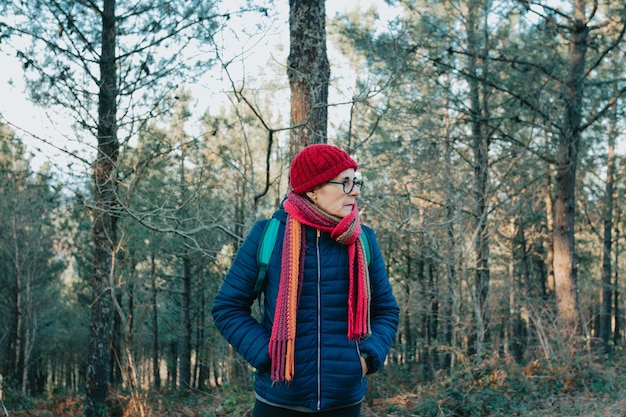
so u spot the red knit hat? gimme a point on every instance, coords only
(316, 164)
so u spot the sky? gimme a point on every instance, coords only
(32, 123)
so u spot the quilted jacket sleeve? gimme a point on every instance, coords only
(384, 310)
(233, 303)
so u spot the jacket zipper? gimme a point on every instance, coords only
(319, 322)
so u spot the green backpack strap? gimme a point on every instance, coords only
(368, 248)
(264, 252)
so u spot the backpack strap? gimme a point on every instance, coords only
(264, 253)
(368, 248)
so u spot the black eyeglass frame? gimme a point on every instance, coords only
(355, 183)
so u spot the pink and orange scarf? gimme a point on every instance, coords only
(301, 211)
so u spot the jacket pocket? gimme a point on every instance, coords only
(358, 358)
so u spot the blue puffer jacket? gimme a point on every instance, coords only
(327, 365)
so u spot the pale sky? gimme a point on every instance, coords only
(31, 122)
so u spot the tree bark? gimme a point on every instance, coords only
(522, 256)
(172, 362)
(408, 333)
(617, 331)
(479, 112)
(607, 289)
(104, 223)
(548, 285)
(450, 305)
(606, 297)
(27, 331)
(308, 71)
(202, 368)
(17, 330)
(185, 325)
(156, 371)
(565, 273)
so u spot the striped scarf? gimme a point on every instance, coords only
(301, 211)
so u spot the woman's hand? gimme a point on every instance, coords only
(363, 366)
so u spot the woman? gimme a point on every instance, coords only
(329, 317)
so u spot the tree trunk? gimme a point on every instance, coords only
(104, 223)
(450, 306)
(548, 285)
(522, 256)
(480, 147)
(156, 372)
(409, 350)
(449, 310)
(172, 363)
(27, 332)
(617, 331)
(309, 71)
(433, 321)
(185, 327)
(606, 296)
(202, 368)
(117, 357)
(519, 279)
(507, 317)
(15, 358)
(565, 274)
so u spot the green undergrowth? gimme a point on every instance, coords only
(577, 387)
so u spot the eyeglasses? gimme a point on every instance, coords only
(348, 185)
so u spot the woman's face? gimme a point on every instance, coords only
(331, 197)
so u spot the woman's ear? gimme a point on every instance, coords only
(312, 194)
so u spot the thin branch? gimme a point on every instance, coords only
(47, 142)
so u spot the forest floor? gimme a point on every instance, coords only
(582, 388)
